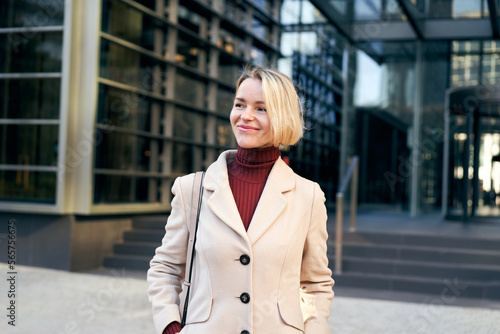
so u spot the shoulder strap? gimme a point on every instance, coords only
(194, 216)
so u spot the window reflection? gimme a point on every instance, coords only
(44, 48)
(126, 22)
(189, 125)
(121, 189)
(31, 13)
(120, 108)
(189, 90)
(28, 186)
(29, 145)
(33, 98)
(122, 151)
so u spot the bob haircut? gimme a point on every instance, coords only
(283, 104)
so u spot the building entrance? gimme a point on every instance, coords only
(472, 153)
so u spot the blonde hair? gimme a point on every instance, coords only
(283, 104)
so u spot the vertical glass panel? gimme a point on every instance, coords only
(225, 100)
(29, 145)
(228, 69)
(189, 19)
(340, 6)
(258, 56)
(128, 23)
(464, 70)
(260, 29)
(466, 9)
(44, 50)
(491, 69)
(32, 98)
(131, 67)
(185, 164)
(189, 90)
(189, 52)
(291, 12)
(466, 46)
(30, 13)
(28, 186)
(122, 151)
(124, 109)
(367, 9)
(266, 5)
(225, 136)
(310, 14)
(121, 189)
(189, 125)
(151, 4)
(234, 12)
(230, 42)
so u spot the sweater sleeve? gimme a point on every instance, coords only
(316, 278)
(173, 328)
(168, 265)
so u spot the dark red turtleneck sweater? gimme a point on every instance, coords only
(247, 177)
(248, 174)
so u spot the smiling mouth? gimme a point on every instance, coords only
(245, 128)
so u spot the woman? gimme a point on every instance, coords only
(260, 265)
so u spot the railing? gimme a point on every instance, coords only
(352, 172)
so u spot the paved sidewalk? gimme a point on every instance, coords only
(56, 302)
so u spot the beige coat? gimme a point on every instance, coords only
(287, 278)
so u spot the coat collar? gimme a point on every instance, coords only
(271, 203)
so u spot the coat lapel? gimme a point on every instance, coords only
(270, 206)
(272, 202)
(221, 201)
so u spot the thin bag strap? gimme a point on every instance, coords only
(194, 217)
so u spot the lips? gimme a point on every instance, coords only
(246, 128)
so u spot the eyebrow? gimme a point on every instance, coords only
(243, 100)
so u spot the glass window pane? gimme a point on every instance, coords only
(122, 151)
(367, 9)
(228, 69)
(185, 164)
(131, 67)
(29, 145)
(230, 42)
(189, 19)
(234, 13)
(28, 186)
(188, 51)
(262, 30)
(225, 100)
(128, 23)
(466, 9)
(31, 13)
(44, 50)
(225, 136)
(122, 189)
(189, 125)
(124, 109)
(189, 90)
(33, 98)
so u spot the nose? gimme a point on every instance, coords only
(247, 115)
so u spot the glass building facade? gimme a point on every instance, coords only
(105, 102)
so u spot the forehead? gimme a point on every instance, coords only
(250, 86)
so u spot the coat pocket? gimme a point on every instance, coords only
(291, 314)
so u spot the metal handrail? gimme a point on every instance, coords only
(352, 172)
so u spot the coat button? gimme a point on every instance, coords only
(245, 332)
(245, 259)
(245, 298)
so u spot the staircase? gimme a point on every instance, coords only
(433, 264)
(445, 266)
(139, 244)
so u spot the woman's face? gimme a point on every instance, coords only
(249, 119)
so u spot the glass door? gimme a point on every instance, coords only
(471, 183)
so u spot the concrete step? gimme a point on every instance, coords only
(419, 239)
(445, 289)
(150, 224)
(136, 248)
(420, 253)
(476, 272)
(132, 262)
(141, 235)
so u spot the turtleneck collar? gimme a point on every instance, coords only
(253, 165)
(257, 156)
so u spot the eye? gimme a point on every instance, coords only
(261, 109)
(239, 105)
